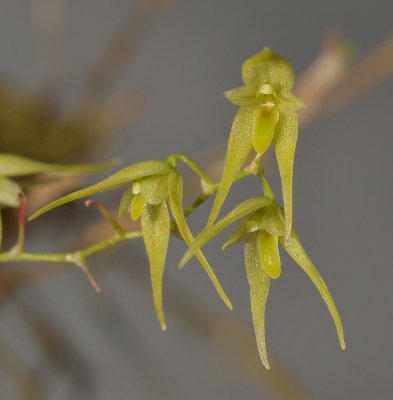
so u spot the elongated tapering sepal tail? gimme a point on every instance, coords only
(125, 175)
(294, 248)
(259, 282)
(239, 146)
(156, 230)
(175, 189)
(285, 145)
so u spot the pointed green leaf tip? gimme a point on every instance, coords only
(267, 111)
(120, 178)
(13, 165)
(259, 282)
(294, 248)
(156, 230)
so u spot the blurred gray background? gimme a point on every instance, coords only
(113, 347)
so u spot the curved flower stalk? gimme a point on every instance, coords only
(13, 167)
(262, 229)
(267, 113)
(154, 188)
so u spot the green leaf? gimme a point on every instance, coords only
(156, 230)
(265, 122)
(243, 95)
(137, 205)
(175, 188)
(259, 283)
(267, 66)
(294, 248)
(154, 189)
(240, 211)
(239, 146)
(269, 254)
(9, 191)
(125, 202)
(285, 145)
(125, 175)
(240, 233)
(13, 165)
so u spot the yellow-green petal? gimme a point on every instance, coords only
(242, 210)
(175, 188)
(259, 283)
(243, 95)
(156, 230)
(239, 146)
(120, 178)
(294, 248)
(137, 205)
(285, 145)
(125, 202)
(269, 254)
(265, 122)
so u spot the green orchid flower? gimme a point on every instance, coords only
(13, 168)
(262, 229)
(267, 113)
(154, 188)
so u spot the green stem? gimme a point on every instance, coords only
(191, 164)
(70, 256)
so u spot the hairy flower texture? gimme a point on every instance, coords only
(262, 229)
(268, 112)
(13, 168)
(154, 188)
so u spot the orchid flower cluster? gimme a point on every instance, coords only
(267, 117)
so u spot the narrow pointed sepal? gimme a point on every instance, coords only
(259, 282)
(294, 248)
(239, 212)
(285, 139)
(239, 146)
(240, 233)
(175, 191)
(269, 254)
(156, 230)
(125, 175)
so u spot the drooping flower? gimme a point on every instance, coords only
(262, 229)
(154, 188)
(267, 113)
